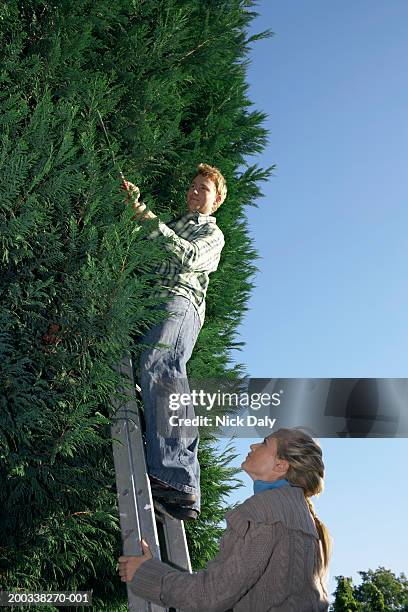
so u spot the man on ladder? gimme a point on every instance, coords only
(194, 243)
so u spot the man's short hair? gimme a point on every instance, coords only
(215, 175)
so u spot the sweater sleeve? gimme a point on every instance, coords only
(202, 254)
(216, 588)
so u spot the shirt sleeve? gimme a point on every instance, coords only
(216, 588)
(202, 254)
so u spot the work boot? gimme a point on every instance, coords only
(164, 492)
(180, 513)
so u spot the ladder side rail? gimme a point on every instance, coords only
(135, 502)
(176, 544)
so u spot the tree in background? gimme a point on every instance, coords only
(383, 587)
(168, 78)
(344, 596)
(380, 590)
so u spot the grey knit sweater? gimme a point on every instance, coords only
(268, 560)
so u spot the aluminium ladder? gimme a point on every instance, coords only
(166, 536)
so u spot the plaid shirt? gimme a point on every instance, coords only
(195, 242)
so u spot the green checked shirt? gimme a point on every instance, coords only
(195, 242)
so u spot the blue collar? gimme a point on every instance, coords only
(263, 485)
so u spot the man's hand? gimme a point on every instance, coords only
(128, 566)
(133, 195)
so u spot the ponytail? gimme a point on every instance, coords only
(323, 533)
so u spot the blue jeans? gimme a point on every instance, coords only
(171, 452)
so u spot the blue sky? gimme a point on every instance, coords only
(331, 295)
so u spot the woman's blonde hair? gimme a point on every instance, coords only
(306, 470)
(219, 181)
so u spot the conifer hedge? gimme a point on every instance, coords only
(168, 77)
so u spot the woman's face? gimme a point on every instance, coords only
(262, 463)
